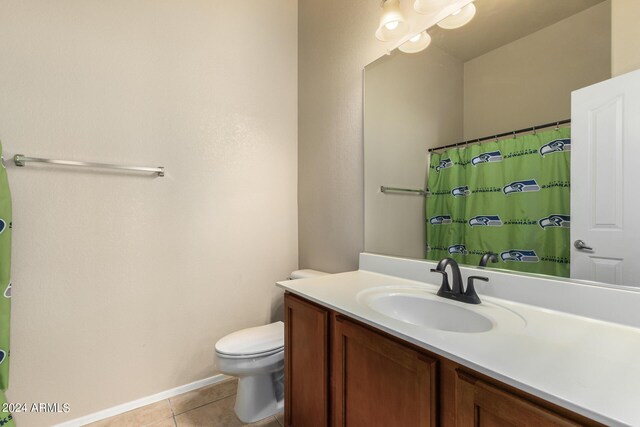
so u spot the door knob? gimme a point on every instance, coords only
(581, 245)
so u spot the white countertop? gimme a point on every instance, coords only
(591, 367)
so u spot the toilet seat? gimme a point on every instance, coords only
(249, 356)
(260, 341)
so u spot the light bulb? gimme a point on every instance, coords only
(392, 25)
(458, 18)
(416, 44)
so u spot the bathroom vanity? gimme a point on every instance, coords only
(376, 379)
(357, 353)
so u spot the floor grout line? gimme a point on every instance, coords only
(200, 406)
(173, 413)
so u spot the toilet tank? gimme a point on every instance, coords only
(306, 274)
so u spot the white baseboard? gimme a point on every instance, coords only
(138, 403)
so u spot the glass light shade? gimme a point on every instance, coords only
(428, 6)
(459, 18)
(392, 24)
(416, 44)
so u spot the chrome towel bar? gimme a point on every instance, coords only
(403, 190)
(21, 160)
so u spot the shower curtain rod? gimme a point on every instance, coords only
(500, 135)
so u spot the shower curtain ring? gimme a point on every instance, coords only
(514, 134)
(557, 126)
(534, 130)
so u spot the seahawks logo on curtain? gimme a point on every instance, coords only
(485, 220)
(7, 292)
(444, 164)
(3, 225)
(3, 355)
(461, 191)
(493, 156)
(458, 249)
(518, 255)
(521, 187)
(440, 220)
(555, 221)
(556, 146)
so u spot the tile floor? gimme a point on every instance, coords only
(210, 406)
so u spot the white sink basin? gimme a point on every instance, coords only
(424, 308)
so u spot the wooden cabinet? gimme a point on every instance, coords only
(379, 382)
(483, 404)
(339, 372)
(306, 363)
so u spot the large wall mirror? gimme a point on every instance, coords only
(512, 67)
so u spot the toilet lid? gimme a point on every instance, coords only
(253, 341)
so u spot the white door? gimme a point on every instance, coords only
(605, 181)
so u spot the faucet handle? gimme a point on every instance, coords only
(470, 292)
(444, 287)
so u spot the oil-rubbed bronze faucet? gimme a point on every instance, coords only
(455, 291)
(488, 256)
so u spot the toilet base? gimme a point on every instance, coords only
(259, 396)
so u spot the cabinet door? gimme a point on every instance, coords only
(306, 342)
(479, 403)
(379, 382)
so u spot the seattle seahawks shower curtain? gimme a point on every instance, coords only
(6, 419)
(510, 197)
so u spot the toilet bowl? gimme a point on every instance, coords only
(256, 357)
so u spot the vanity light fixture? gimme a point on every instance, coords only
(392, 24)
(458, 18)
(416, 44)
(428, 6)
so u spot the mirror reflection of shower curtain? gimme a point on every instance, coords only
(6, 419)
(510, 197)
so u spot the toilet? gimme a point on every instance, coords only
(256, 357)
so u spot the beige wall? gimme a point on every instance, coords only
(335, 42)
(124, 282)
(625, 36)
(529, 81)
(412, 102)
